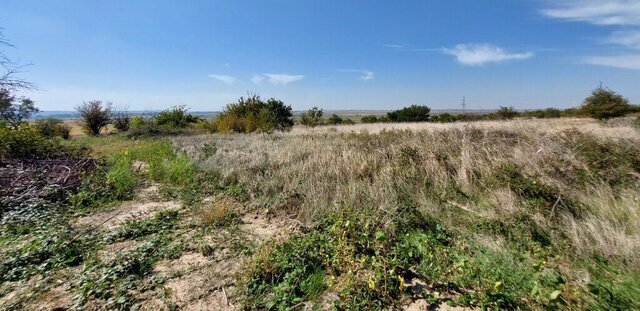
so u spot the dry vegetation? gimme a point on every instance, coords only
(520, 214)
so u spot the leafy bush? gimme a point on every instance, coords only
(543, 113)
(29, 143)
(94, 116)
(175, 117)
(51, 127)
(253, 114)
(604, 103)
(335, 119)
(413, 113)
(12, 113)
(444, 118)
(506, 113)
(369, 119)
(312, 117)
(122, 121)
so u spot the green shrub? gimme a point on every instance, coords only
(28, 143)
(444, 118)
(506, 113)
(413, 113)
(335, 119)
(604, 103)
(369, 119)
(312, 117)
(175, 117)
(52, 127)
(122, 121)
(253, 114)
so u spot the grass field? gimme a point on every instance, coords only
(523, 214)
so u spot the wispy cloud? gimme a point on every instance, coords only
(276, 78)
(229, 80)
(395, 46)
(257, 79)
(365, 75)
(599, 12)
(630, 61)
(621, 13)
(628, 38)
(480, 54)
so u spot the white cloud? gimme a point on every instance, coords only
(224, 79)
(276, 78)
(257, 79)
(395, 46)
(365, 75)
(480, 54)
(599, 12)
(630, 61)
(628, 38)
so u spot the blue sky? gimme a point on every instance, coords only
(335, 54)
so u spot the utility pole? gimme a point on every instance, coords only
(464, 105)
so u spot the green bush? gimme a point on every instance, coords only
(175, 117)
(122, 121)
(253, 114)
(369, 119)
(413, 113)
(604, 103)
(52, 127)
(28, 143)
(312, 117)
(335, 119)
(444, 118)
(506, 113)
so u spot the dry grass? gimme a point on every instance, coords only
(448, 170)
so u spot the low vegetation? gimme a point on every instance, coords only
(515, 213)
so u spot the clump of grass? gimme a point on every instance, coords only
(222, 211)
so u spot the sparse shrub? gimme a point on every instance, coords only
(312, 117)
(637, 122)
(413, 113)
(94, 116)
(221, 212)
(506, 113)
(12, 113)
(253, 114)
(52, 127)
(369, 119)
(604, 104)
(122, 120)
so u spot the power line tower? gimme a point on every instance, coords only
(464, 105)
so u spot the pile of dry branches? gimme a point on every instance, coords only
(24, 183)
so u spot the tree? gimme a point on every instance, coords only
(8, 80)
(94, 116)
(11, 112)
(413, 113)
(312, 118)
(604, 104)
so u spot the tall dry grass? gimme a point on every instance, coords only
(464, 174)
